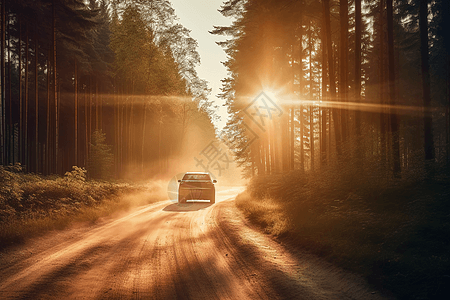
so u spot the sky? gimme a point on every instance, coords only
(200, 16)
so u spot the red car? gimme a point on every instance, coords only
(196, 186)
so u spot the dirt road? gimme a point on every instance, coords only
(171, 251)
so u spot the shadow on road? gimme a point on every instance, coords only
(190, 206)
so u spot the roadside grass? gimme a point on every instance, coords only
(32, 205)
(395, 232)
(267, 213)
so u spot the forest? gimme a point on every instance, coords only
(106, 85)
(339, 117)
(355, 80)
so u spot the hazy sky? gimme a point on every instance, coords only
(200, 16)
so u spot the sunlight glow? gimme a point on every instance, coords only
(368, 107)
(272, 94)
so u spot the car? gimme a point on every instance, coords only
(196, 186)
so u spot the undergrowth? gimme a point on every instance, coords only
(31, 205)
(394, 231)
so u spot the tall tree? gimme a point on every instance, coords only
(334, 112)
(36, 99)
(427, 119)
(3, 85)
(392, 90)
(343, 64)
(358, 71)
(323, 141)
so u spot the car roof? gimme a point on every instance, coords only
(197, 173)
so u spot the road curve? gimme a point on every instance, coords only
(172, 251)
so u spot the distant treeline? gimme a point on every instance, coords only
(72, 67)
(366, 80)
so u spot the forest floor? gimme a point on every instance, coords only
(169, 250)
(32, 205)
(393, 231)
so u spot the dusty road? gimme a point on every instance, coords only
(171, 251)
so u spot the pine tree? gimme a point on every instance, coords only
(101, 158)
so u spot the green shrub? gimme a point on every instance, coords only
(101, 158)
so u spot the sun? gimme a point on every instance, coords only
(273, 93)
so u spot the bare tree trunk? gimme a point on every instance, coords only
(26, 150)
(383, 149)
(130, 123)
(343, 82)
(427, 118)
(302, 156)
(76, 114)
(3, 84)
(55, 86)
(58, 115)
(143, 139)
(122, 118)
(116, 136)
(358, 74)
(19, 53)
(392, 88)
(311, 96)
(96, 104)
(292, 137)
(272, 147)
(86, 134)
(292, 117)
(300, 84)
(334, 112)
(90, 109)
(100, 120)
(448, 110)
(11, 129)
(311, 134)
(36, 95)
(47, 138)
(323, 143)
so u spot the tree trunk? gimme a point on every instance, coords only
(10, 129)
(143, 139)
(446, 26)
(55, 86)
(76, 114)
(36, 96)
(311, 134)
(292, 137)
(122, 118)
(343, 81)
(100, 117)
(358, 74)
(2, 92)
(323, 144)
(383, 148)
(311, 96)
(19, 53)
(300, 84)
(130, 123)
(96, 105)
(334, 112)
(90, 110)
(26, 150)
(426, 89)
(292, 118)
(86, 135)
(47, 138)
(392, 88)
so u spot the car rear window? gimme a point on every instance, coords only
(196, 177)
